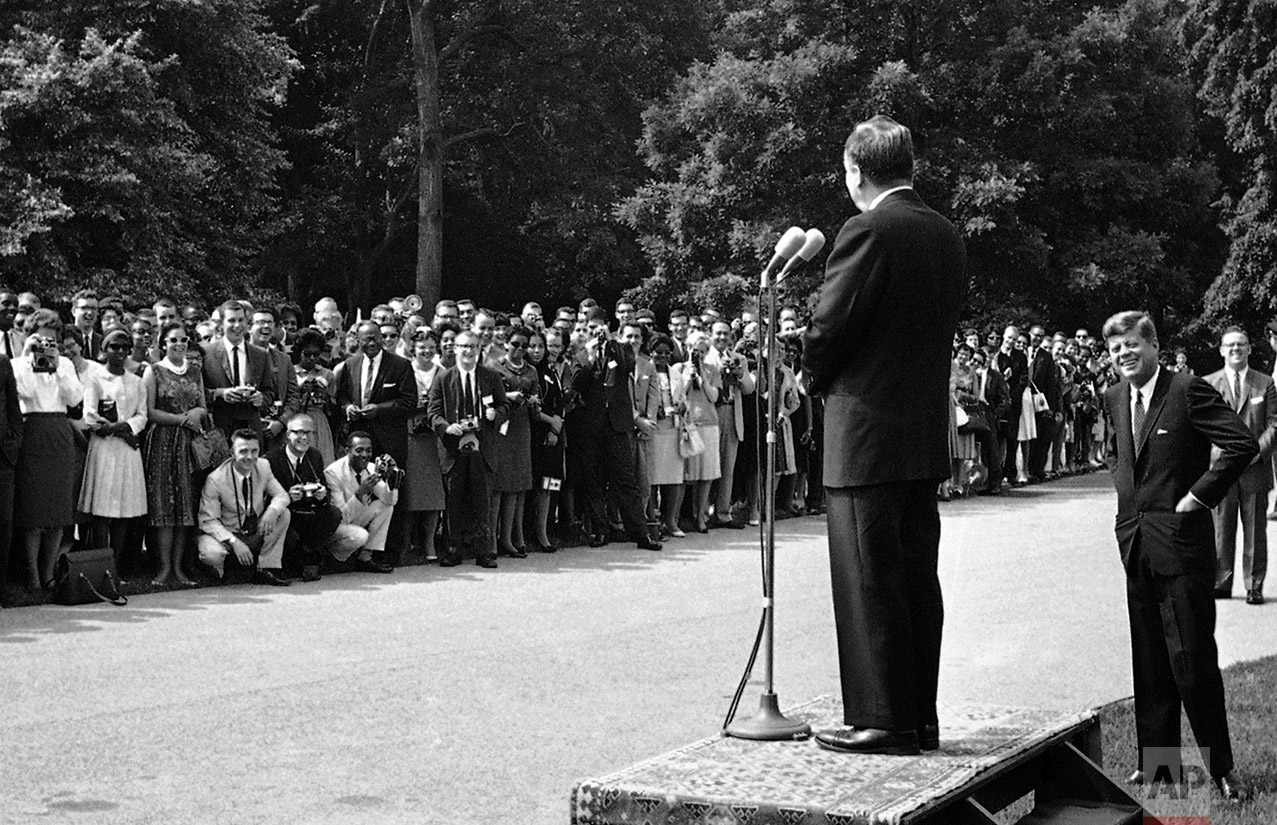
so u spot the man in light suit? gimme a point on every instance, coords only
(467, 405)
(236, 374)
(1164, 426)
(244, 513)
(1253, 396)
(879, 349)
(364, 498)
(647, 403)
(738, 383)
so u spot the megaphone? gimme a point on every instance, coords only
(413, 304)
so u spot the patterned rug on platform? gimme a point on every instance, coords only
(722, 781)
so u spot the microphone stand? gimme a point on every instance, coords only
(769, 724)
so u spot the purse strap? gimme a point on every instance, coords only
(117, 600)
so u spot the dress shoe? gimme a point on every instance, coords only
(1231, 787)
(646, 543)
(486, 561)
(310, 573)
(869, 740)
(547, 548)
(1223, 594)
(512, 553)
(677, 534)
(448, 560)
(372, 566)
(702, 528)
(1254, 597)
(271, 577)
(929, 737)
(598, 540)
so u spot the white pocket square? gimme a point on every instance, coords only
(1257, 399)
(1162, 432)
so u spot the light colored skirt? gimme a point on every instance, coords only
(665, 465)
(114, 480)
(704, 467)
(1028, 417)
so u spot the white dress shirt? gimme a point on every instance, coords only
(232, 356)
(873, 204)
(367, 375)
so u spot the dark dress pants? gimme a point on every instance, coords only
(884, 544)
(608, 469)
(7, 474)
(1010, 443)
(1040, 447)
(1248, 505)
(1175, 661)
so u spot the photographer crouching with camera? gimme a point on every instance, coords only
(366, 492)
(317, 525)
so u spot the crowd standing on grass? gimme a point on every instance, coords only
(466, 433)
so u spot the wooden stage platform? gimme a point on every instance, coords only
(995, 765)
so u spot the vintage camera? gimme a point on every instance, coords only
(44, 355)
(310, 490)
(469, 423)
(419, 424)
(389, 471)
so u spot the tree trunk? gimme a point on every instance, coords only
(425, 61)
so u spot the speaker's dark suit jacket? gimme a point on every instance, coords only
(1169, 557)
(217, 376)
(447, 406)
(879, 348)
(393, 399)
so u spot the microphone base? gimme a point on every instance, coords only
(769, 724)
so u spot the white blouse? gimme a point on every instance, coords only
(46, 392)
(128, 393)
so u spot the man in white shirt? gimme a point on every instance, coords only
(365, 499)
(1252, 396)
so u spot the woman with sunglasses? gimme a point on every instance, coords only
(114, 490)
(513, 477)
(175, 407)
(544, 349)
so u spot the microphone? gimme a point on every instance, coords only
(786, 248)
(814, 241)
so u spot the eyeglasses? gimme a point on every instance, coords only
(178, 340)
(517, 345)
(466, 346)
(302, 432)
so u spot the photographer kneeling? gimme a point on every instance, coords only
(366, 493)
(316, 523)
(244, 513)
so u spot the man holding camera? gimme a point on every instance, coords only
(244, 513)
(738, 382)
(236, 375)
(366, 494)
(467, 405)
(316, 523)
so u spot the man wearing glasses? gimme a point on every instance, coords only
(316, 526)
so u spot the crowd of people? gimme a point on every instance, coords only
(466, 433)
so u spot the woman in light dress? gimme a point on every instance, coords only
(702, 384)
(318, 388)
(664, 461)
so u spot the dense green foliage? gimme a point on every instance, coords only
(1096, 156)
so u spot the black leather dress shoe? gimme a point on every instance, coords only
(448, 560)
(310, 573)
(270, 577)
(1231, 787)
(869, 740)
(929, 737)
(516, 553)
(1254, 597)
(372, 566)
(486, 561)
(547, 548)
(598, 540)
(646, 543)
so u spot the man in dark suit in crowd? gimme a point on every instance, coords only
(282, 377)
(10, 443)
(84, 314)
(1159, 449)
(605, 369)
(878, 348)
(378, 392)
(1014, 366)
(1252, 395)
(236, 374)
(991, 390)
(1045, 377)
(467, 404)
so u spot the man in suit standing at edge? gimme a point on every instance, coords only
(1253, 396)
(878, 348)
(1160, 452)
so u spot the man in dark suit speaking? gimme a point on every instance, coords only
(879, 349)
(1159, 449)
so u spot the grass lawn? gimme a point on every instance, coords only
(1251, 688)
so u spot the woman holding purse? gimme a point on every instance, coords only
(175, 408)
(114, 490)
(702, 383)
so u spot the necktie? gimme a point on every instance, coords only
(465, 379)
(1137, 420)
(8, 345)
(235, 376)
(368, 376)
(248, 495)
(1237, 390)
